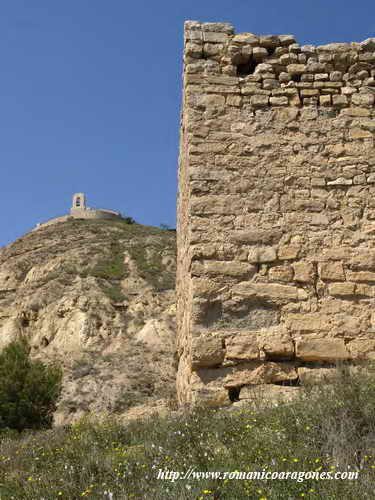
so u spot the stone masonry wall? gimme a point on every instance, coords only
(276, 211)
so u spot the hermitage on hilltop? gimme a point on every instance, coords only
(79, 210)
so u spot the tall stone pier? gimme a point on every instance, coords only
(276, 211)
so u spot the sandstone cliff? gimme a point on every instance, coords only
(99, 297)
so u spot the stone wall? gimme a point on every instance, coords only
(276, 211)
(78, 213)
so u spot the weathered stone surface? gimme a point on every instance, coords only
(308, 322)
(288, 252)
(296, 69)
(252, 372)
(341, 289)
(267, 394)
(207, 351)
(323, 349)
(281, 273)
(362, 349)
(368, 44)
(276, 343)
(363, 259)
(361, 276)
(304, 271)
(256, 236)
(211, 398)
(218, 267)
(277, 172)
(75, 316)
(242, 347)
(314, 376)
(266, 290)
(332, 271)
(261, 255)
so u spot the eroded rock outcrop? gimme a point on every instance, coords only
(99, 297)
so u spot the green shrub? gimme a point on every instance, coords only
(28, 389)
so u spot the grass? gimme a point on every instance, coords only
(111, 266)
(331, 428)
(99, 249)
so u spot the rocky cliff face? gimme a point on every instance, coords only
(99, 297)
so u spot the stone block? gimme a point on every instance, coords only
(296, 69)
(304, 271)
(368, 45)
(206, 352)
(341, 289)
(362, 259)
(361, 276)
(242, 347)
(213, 100)
(281, 273)
(279, 101)
(358, 133)
(246, 38)
(340, 181)
(362, 349)
(246, 373)
(210, 398)
(286, 40)
(276, 343)
(211, 36)
(219, 267)
(270, 84)
(355, 112)
(259, 101)
(323, 349)
(368, 125)
(233, 100)
(313, 376)
(207, 147)
(204, 287)
(218, 27)
(288, 252)
(364, 100)
(272, 372)
(309, 205)
(267, 394)
(256, 236)
(261, 255)
(309, 92)
(307, 322)
(331, 271)
(325, 100)
(260, 53)
(271, 291)
(339, 101)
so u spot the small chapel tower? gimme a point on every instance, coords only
(79, 202)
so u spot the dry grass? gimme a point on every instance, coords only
(331, 428)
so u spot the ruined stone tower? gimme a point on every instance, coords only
(276, 211)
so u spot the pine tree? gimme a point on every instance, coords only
(29, 389)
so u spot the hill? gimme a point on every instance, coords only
(99, 297)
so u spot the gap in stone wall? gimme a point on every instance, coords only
(246, 68)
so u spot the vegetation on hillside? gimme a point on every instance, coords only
(29, 389)
(327, 429)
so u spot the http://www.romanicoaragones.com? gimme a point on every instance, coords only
(299, 476)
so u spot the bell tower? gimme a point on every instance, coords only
(79, 201)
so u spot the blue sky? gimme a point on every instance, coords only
(90, 94)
